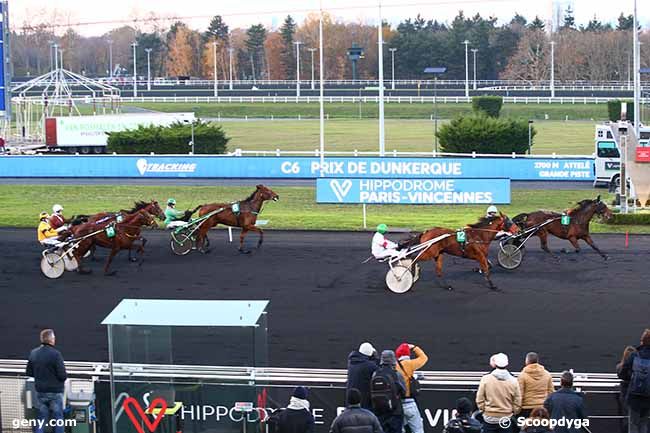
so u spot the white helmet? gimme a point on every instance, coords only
(57, 208)
(492, 210)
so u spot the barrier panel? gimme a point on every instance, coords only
(187, 166)
(413, 191)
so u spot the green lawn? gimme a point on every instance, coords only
(295, 210)
(401, 135)
(371, 110)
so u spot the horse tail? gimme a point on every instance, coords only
(408, 243)
(520, 219)
(197, 208)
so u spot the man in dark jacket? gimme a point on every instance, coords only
(362, 364)
(296, 418)
(568, 404)
(46, 366)
(636, 370)
(387, 389)
(354, 418)
(463, 423)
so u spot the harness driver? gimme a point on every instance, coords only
(381, 246)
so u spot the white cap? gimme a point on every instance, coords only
(492, 209)
(57, 208)
(500, 360)
(366, 349)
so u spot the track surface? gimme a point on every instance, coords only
(577, 313)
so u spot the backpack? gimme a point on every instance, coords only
(414, 384)
(274, 420)
(640, 381)
(383, 394)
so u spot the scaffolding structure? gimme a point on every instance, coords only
(59, 93)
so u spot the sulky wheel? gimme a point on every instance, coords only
(510, 255)
(70, 263)
(52, 265)
(399, 279)
(180, 243)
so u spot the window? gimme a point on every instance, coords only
(607, 149)
(609, 134)
(600, 133)
(645, 135)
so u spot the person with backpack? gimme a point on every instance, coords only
(354, 418)
(387, 390)
(566, 403)
(463, 422)
(406, 367)
(623, 409)
(296, 418)
(636, 370)
(362, 364)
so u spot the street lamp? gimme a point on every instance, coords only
(110, 57)
(552, 84)
(297, 44)
(312, 50)
(435, 71)
(230, 50)
(135, 73)
(474, 51)
(191, 143)
(530, 136)
(216, 84)
(466, 42)
(61, 54)
(148, 50)
(392, 57)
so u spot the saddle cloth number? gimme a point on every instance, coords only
(460, 236)
(110, 232)
(235, 207)
(565, 220)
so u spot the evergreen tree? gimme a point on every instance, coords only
(569, 19)
(519, 20)
(625, 22)
(255, 49)
(217, 30)
(287, 31)
(594, 26)
(537, 24)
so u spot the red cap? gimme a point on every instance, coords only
(403, 350)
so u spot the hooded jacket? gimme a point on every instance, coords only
(360, 370)
(638, 403)
(535, 384)
(498, 394)
(355, 419)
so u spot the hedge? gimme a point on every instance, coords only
(484, 134)
(630, 219)
(173, 139)
(489, 105)
(614, 110)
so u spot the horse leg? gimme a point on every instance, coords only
(202, 234)
(591, 243)
(543, 241)
(114, 251)
(93, 248)
(439, 273)
(574, 242)
(485, 268)
(242, 235)
(254, 228)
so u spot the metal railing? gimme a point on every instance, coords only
(395, 153)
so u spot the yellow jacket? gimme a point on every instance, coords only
(45, 231)
(498, 394)
(536, 384)
(410, 366)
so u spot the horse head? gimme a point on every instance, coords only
(602, 210)
(266, 193)
(509, 225)
(154, 208)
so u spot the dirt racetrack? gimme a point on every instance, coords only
(577, 313)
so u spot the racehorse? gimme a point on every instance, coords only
(105, 218)
(126, 233)
(578, 227)
(477, 241)
(239, 214)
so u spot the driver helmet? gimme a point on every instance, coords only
(171, 202)
(382, 228)
(57, 208)
(492, 211)
(43, 215)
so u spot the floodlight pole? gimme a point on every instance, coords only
(637, 74)
(216, 83)
(466, 42)
(552, 84)
(135, 71)
(56, 56)
(230, 50)
(321, 97)
(312, 50)
(297, 44)
(148, 50)
(474, 51)
(380, 43)
(110, 58)
(392, 55)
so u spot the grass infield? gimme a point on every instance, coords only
(295, 210)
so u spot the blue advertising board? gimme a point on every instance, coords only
(413, 191)
(182, 166)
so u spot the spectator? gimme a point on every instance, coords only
(463, 422)
(498, 396)
(566, 403)
(386, 393)
(636, 370)
(46, 366)
(296, 418)
(535, 384)
(623, 409)
(362, 364)
(406, 367)
(354, 418)
(538, 416)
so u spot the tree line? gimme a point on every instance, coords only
(518, 49)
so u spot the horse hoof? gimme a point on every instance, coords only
(605, 257)
(449, 288)
(133, 259)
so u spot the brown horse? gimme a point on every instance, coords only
(245, 217)
(578, 227)
(126, 233)
(477, 241)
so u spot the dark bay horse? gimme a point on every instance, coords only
(245, 217)
(477, 242)
(578, 227)
(126, 233)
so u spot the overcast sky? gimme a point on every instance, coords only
(271, 13)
